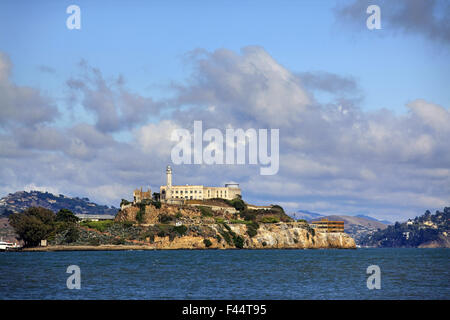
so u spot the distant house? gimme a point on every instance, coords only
(94, 217)
(253, 207)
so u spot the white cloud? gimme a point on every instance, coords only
(331, 161)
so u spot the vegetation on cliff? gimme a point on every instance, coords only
(427, 230)
(165, 226)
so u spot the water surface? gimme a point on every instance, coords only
(227, 274)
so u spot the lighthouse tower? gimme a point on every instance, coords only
(169, 176)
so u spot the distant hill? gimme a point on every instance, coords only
(375, 219)
(19, 201)
(356, 226)
(306, 215)
(427, 231)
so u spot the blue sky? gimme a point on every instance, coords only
(149, 43)
(146, 41)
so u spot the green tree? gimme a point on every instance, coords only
(124, 202)
(33, 224)
(238, 204)
(207, 243)
(65, 215)
(72, 234)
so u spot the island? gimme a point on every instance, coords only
(177, 217)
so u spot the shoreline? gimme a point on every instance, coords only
(140, 247)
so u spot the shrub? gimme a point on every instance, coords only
(207, 243)
(164, 218)
(249, 215)
(219, 238)
(252, 229)
(118, 241)
(127, 224)
(94, 242)
(238, 204)
(72, 234)
(277, 207)
(237, 221)
(98, 225)
(149, 233)
(264, 244)
(231, 238)
(270, 219)
(206, 211)
(181, 230)
(140, 215)
(124, 202)
(226, 236)
(165, 230)
(156, 204)
(238, 242)
(161, 234)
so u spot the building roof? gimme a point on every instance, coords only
(95, 216)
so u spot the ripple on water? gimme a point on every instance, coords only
(228, 274)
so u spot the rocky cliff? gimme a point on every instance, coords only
(182, 227)
(269, 236)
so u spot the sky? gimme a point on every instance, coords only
(363, 114)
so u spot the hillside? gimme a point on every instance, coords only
(19, 201)
(426, 231)
(306, 215)
(155, 225)
(357, 227)
(374, 219)
(199, 226)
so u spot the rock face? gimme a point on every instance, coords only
(205, 232)
(152, 215)
(292, 235)
(269, 236)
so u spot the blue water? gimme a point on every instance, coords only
(231, 274)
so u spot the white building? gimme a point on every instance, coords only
(171, 193)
